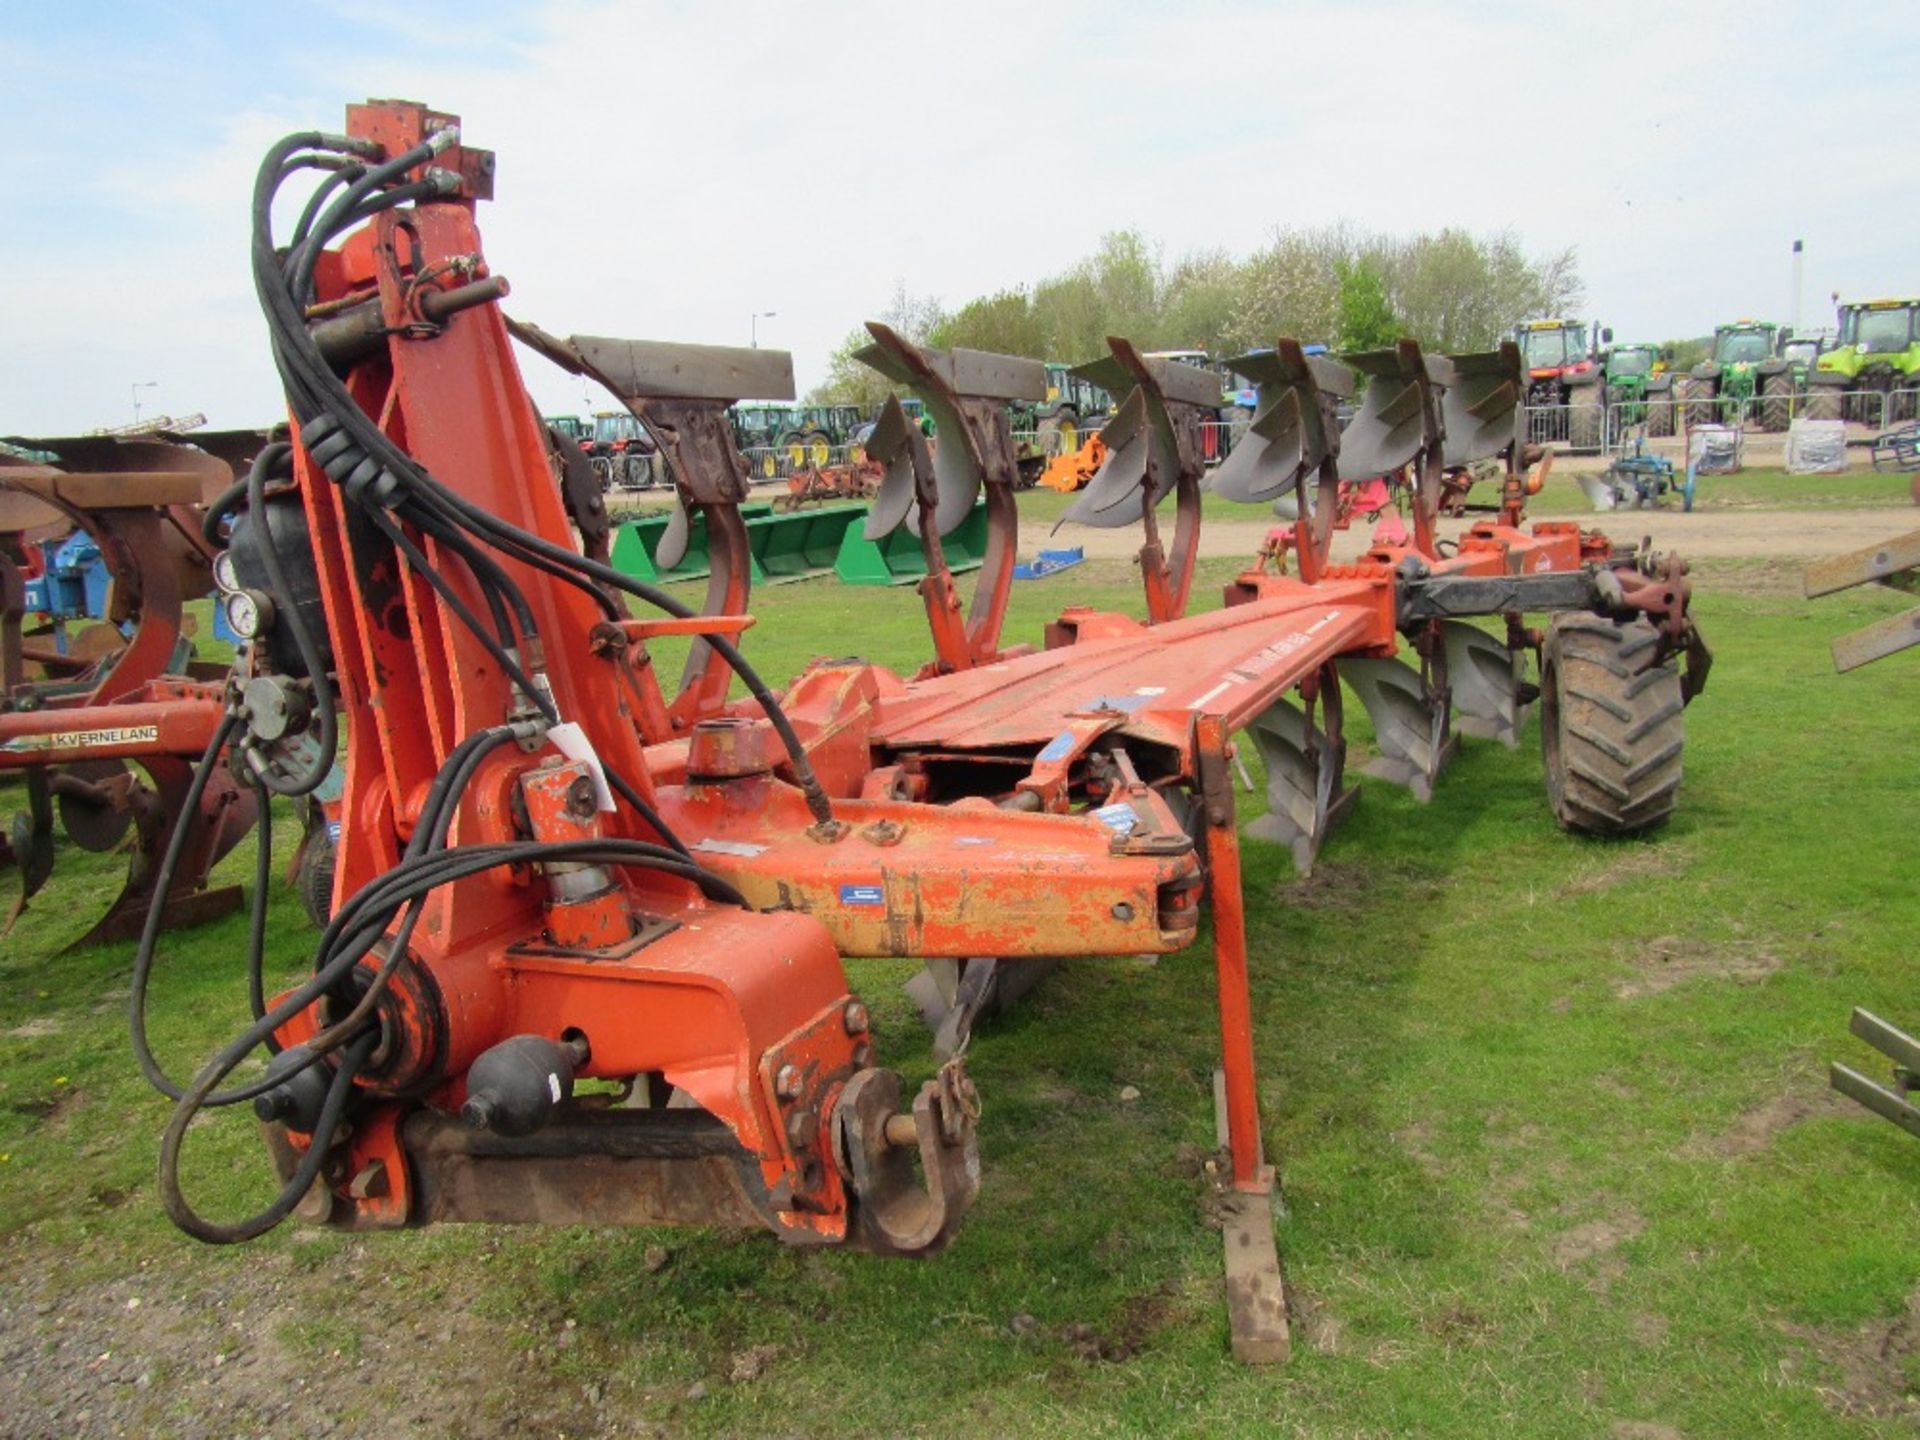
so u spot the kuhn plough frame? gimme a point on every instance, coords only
(550, 868)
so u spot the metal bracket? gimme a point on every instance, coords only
(1898, 1046)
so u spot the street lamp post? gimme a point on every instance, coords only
(753, 324)
(138, 386)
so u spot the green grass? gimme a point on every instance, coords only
(1529, 1098)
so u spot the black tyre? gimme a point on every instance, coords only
(1057, 434)
(1611, 727)
(1776, 401)
(1822, 403)
(1586, 417)
(635, 472)
(1659, 414)
(1698, 397)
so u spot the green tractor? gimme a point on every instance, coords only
(762, 431)
(1052, 427)
(1749, 372)
(1639, 387)
(1877, 354)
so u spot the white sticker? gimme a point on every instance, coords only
(553, 1086)
(742, 849)
(571, 741)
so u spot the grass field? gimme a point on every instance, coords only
(1550, 1116)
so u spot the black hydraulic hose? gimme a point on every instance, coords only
(620, 786)
(156, 910)
(433, 577)
(339, 1091)
(222, 506)
(257, 916)
(571, 566)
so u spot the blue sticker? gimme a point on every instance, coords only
(333, 832)
(1060, 746)
(1120, 817)
(862, 895)
(1125, 704)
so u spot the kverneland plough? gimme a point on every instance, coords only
(78, 709)
(552, 868)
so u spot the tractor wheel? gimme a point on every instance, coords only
(313, 877)
(1587, 417)
(1903, 405)
(1822, 403)
(634, 471)
(1611, 728)
(1058, 434)
(1776, 401)
(819, 447)
(1659, 414)
(1698, 397)
(603, 472)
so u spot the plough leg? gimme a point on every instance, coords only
(1256, 1295)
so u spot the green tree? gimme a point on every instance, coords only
(1367, 320)
(1004, 322)
(850, 380)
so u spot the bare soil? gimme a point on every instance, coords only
(1671, 960)
(1869, 1365)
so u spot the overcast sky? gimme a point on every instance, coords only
(666, 171)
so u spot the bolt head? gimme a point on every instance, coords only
(786, 1081)
(857, 1018)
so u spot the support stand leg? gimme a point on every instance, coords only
(1256, 1296)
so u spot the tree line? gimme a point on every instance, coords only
(1351, 289)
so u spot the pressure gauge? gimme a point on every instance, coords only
(223, 575)
(249, 613)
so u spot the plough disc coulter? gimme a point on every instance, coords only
(554, 867)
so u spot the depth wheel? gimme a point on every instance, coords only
(1611, 727)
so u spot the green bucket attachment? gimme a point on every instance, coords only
(897, 559)
(799, 544)
(785, 545)
(636, 541)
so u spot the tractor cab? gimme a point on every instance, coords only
(1877, 355)
(1557, 356)
(1631, 362)
(1801, 352)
